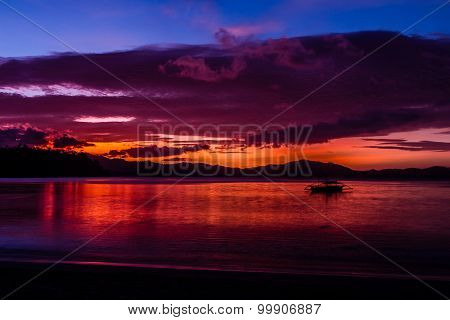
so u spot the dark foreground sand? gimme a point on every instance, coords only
(105, 282)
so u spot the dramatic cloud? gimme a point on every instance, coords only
(400, 144)
(15, 136)
(361, 125)
(196, 68)
(283, 52)
(116, 154)
(154, 151)
(67, 142)
(226, 38)
(402, 87)
(24, 135)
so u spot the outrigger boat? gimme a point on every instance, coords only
(328, 186)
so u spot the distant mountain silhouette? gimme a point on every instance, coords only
(293, 170)
(432, 173)
(30, 162)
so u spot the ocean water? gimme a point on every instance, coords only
(229, 225)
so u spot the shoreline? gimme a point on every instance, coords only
(94, 281)
(193, 179)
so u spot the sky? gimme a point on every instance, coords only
(148, 66)
(107, 25)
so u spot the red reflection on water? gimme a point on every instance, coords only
(231, 224)
(48, 201)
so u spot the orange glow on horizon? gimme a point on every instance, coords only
(350, 152)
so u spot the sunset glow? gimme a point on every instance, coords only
(388, 111)
(291, 153)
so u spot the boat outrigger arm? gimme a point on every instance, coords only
(328, 186)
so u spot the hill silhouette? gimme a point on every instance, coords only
(32, 162)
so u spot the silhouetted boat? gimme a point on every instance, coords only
(328, 186)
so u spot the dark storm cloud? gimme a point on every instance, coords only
(404, 86)
(198, 69)
(154, 151)
(366, 124)
(35, 137)
(14, 136)
(67, 142)
(285, 52)
(377, 122)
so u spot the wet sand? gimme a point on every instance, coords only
(67, 281)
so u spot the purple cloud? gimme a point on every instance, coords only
(197, 69)
(399, 144)
(35, 137)
(361, 125)
(399, 88)
(67, 142)
(154, 151)
(22, 135)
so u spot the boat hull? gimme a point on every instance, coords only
(326, 189)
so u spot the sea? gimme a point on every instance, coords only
(378, 229)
